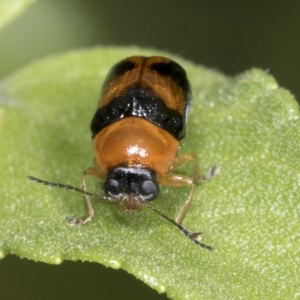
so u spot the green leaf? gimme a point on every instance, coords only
(249, 212)
(10, 9)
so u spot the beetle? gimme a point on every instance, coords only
(136, 133)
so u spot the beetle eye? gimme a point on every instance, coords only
(149, 188)
(112, 187)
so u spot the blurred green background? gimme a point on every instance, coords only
(230, 36)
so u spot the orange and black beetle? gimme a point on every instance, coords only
(136, 131)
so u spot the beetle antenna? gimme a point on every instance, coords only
(64, 186)
(193, 236)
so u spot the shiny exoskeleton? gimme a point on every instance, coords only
(136, 132)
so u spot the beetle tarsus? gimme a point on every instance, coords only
(196, 237)
(213, 171)
(76, 221)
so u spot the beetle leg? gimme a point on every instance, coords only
(182, 180)
(197, 177)
(186, 158)
(176, 180)
(91, 171)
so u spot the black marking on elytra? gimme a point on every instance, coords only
(139, 102)
(174, 71)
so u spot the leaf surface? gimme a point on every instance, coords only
(249, 213)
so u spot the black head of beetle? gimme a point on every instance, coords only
(137, 182)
